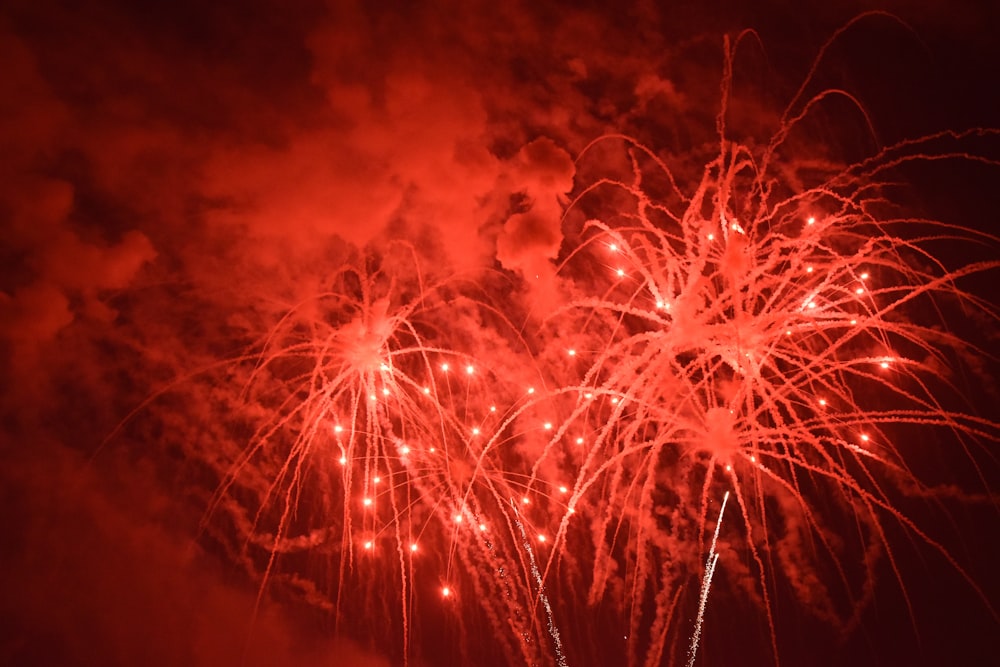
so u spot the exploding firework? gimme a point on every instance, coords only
(413, 453)
(774, 347)
(767, 335)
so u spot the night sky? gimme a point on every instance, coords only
(174, 176)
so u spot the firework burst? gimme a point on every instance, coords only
(384, 460)
(755, 329)
(771, 346)
(775, 338)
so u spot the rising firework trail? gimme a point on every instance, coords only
(553, 630)
(706, 584)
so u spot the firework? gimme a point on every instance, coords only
(384, 456)
(768, 344)
(422, 447)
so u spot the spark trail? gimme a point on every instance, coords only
(706, 583)
(553, 629)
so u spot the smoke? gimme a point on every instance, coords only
(97, 567)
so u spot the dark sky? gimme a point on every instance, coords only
(174, 175)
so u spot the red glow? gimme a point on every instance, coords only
(375, 307)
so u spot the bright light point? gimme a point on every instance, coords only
(788, 332)
(373, 397)
(404, 450)
(753, 459)
(482, 527)
(659, 304)
(475, 431)
(860, 290)
(548, 426)
(338, 429)
(620, 273)
(367, 502)
(384, 367)
(541, 538)
(571, 353)
(812, 304)
(811, 220)
(413, 547)
(729, 468)
(525, 500)
(572, 510)
(579, 441)
(427, 390)
(864, 276)
(368, 545)
(445, 367)
(864, 437)
(445, 591)
(853, 322)
(458, 518)
(711, 237)
(343, 460)
(614, 401)
(431, 450)
(385, 392)
(822, 401)
(470, 370)
(563, 489)
(531, 390)
(613, 247)
(809, 269)
(493, 408)
(884, 364)
(588, 396)
(377, 480)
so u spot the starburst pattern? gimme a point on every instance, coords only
(421, 445)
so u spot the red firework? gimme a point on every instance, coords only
(422, 446)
